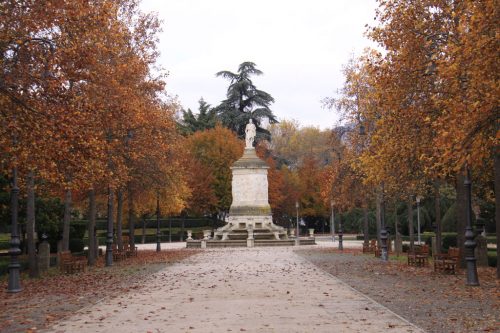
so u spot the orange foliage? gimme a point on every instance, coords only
(215, 150)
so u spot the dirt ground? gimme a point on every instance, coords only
(54, 296)
(438, 303)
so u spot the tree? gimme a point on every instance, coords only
(216, 150)
(276, 184)
(205, 119)
(313, 208)
(75, 87)
(244, 101)
(292, 144)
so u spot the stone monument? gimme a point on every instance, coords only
(250, 220)
(250, 215)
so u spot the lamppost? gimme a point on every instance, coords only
(158, 246)
(341, 233)
(183, 215)
(332, 222)
(383, 230)
(14, 285)
(297, 241)
(470, 243)
(418, 218)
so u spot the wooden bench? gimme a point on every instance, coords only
(419, 257)
(117, 254)
(370, 247)
(70, 264)
(447, 262)
(128, 250)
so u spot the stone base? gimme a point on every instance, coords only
(244, 243)
(250, 228)
(243, 222)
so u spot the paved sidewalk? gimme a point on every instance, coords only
(239, 290)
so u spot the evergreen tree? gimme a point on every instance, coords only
(205, 119)
(244, 101)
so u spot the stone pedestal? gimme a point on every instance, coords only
(250, 239)
(189, 235)
(311, 233)
(250, 215)
(206, 234)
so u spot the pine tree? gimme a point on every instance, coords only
(244, 101)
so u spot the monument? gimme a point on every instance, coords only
(250, 215)
(250, 220)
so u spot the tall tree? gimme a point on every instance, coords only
(217, 149)
(205, 119)
(244, 101)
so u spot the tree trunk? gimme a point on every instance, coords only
(131, 220)
(66, 220)
(119, 219)
(410, 223)
(461, 215)
(30, 225)
(497, 205)
(437, 208)
(91, 228)
(379, 215)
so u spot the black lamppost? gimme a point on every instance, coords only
(418, 219)
(183, 215)
(341, 233)
(158, 246)
(383, 231)
(470, 243)
(332, 222)
(14, 285)
(109, 233)
(297, 241)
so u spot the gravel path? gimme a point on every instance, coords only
(239, 290)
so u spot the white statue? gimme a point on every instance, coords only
(249, 134)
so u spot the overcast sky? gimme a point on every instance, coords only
(299, 45)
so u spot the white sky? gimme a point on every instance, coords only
(299, 45)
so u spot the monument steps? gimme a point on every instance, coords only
(242, 234)
(243, 243)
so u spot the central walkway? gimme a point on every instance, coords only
(239, 290)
